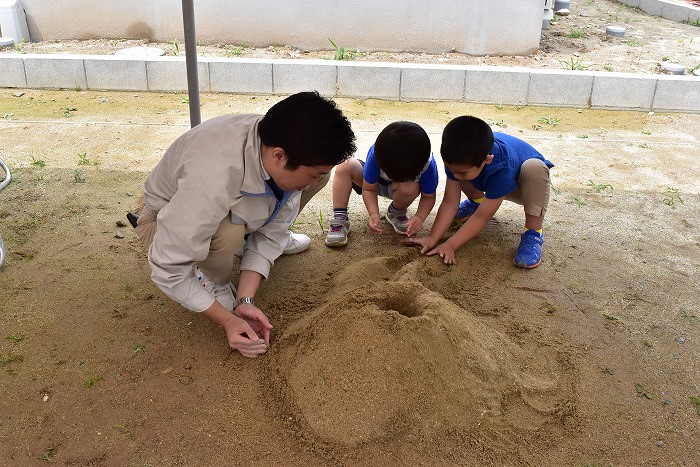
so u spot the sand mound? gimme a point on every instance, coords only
(388, 359)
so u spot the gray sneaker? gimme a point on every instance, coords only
(338, 232)
(398, 220)
(223, 293)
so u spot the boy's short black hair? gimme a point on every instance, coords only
(402, 149)
(311, 129)
(466, 141)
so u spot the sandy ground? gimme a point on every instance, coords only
(577, 41)
(378, 356)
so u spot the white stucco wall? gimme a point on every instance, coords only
(476, 27)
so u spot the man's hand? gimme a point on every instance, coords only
(415, 225)
(250, 336)
(373, 223)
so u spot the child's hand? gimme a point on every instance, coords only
(415, 225)
(373, 223)
(446, 252)
(425, 243)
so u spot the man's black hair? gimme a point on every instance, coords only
(311, 129)
(402, 149)
(466, 141)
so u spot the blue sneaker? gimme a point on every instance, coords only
(529, 252)
(466, 209)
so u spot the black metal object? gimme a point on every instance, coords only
(191, 62)
(133, 219)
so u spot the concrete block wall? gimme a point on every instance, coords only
(390, 81)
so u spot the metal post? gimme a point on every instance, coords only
(191, 61)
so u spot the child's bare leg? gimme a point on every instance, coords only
(344, 176)
(404, 194)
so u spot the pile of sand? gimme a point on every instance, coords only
(387, 359)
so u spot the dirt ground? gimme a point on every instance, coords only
(577, 41)
(379, 356)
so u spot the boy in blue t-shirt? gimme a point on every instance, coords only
(489, 168)
(399, 167)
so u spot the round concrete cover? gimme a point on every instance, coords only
(617, 31)
(6, 41)
(674, 68)
(141, 51)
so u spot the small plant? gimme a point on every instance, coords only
(320, 221)
(341, 53)
(498, 123)
(6, 361)
(646, 132)
(91, 381)
(78, 176)
(573, 63)
(185, 100)
(15, 337)
(68, 111)
(576, 34)
(50, 452)
(579, 202)
(608, 67)
(139, 348)
(236, 50)
(671, 197)
(634, 43)
(610, 317)
(123, 429)
(583, 136)
(696, 403)
(19, 46)
(645, 146)
(8, 115)
(599, 187)
(642, 391)
(176, 46)
(83, 159)
(549, 120)
(696, 22)
(77, 88)
(38, 162)
(647, 343)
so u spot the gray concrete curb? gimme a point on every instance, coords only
(390, 81)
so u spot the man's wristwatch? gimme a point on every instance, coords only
(241, 301)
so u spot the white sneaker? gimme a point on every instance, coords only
(296, 244)
(223, 293)
(398, 220)
(338, 232)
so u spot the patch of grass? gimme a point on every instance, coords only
(608, 67)
(573, 63)
(8, 361)
(634, 43)
(341, 53)
(50, 452)
(582, 136)
(38, 162)
(185, 100)
(68, 111)
(696, 22)
(15, 337)
(610, 316)
(83, 159)
(600, 187)
(236, 50)
(576, 34)
(672, 197)
(78, 176)
(139, 348)
(645, 146)
(696, 403)
(685, 314)
(320, 221)
(91, 381)
(549, 120)
(7, 115)
(498, 123)
(123, 429)
(176, 46)
(642, 391)
(646, 132)
(579, 202)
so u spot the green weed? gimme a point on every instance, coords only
(78, 176)
(642, 391)
(236, 50)
(498, 123)
(50, 452)
(320, 221)
(68, 111)
(579, 202)
(634, 43)
(671, 197)
(608, 67)
(610, 317)
(8, 115)
(139, 348)
(122, 428)
(38, 162)
(549, 120)
(15, 337)
(177, 47)
(341, 53)
(83, 159)
(574, 63)
(646, 132)
(696, 403)
(583, 136)
(696, 22)
(599, 187)
(91, 381)
(185, 100)
(576, 34)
